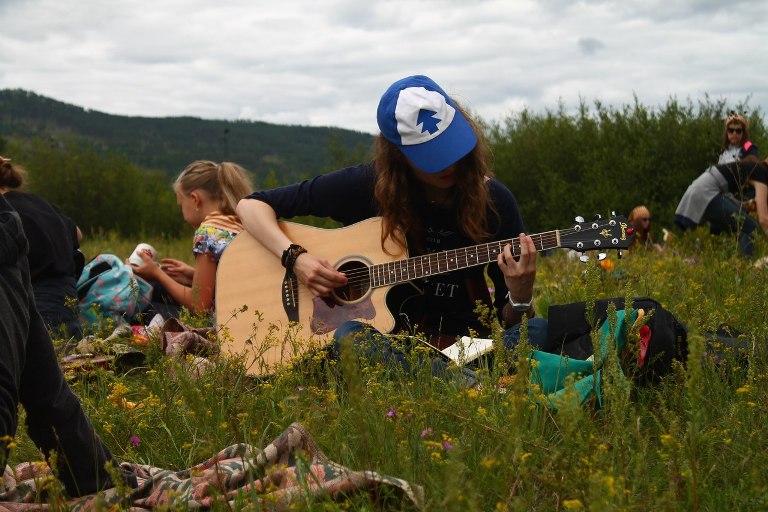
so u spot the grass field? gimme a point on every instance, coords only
(695, 441)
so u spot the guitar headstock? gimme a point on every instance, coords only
(600, 234)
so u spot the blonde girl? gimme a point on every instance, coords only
(207, 194)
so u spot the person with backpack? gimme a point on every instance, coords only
(30, 375)
(55, 260)
(207, 193)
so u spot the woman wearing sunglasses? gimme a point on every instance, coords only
(720, 196)
(736, 144)
(640, 218)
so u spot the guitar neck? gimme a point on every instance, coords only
(386, 274)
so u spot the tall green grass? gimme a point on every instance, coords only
(695, 441)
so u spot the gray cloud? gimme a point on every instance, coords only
(590, 45)
(327, 62)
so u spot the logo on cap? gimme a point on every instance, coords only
(422, 115)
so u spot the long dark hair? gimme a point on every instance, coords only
(398, 194)
(734, 118)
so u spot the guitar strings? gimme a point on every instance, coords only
(445, 258)
(362, 276)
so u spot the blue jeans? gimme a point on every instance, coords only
(537, 334)
(725, 215)
(375, 346)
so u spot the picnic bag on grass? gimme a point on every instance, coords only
(108, 289)
(663, 338)
(561, 378)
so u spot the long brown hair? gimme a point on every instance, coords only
(734, 118)
(225, 183)
(398, 194)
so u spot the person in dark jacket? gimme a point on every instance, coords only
(55, 260)
(30, 375)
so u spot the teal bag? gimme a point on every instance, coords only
(553, 373)
(108, 289)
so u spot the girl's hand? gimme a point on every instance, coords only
(519, 275)
(178, 270)
(148, 269)
(318, 275)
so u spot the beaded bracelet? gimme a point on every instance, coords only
(289, 256)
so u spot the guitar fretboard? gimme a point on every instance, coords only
(386, 274)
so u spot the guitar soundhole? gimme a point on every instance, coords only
(358, 281)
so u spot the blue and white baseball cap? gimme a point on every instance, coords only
(418, 117)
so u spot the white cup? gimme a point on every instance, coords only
(135, 257)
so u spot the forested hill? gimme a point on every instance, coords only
(169, 144)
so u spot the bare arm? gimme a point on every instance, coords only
(315, 273)
(199, 296)
(260, 221)
(761, 202)
(178, 270)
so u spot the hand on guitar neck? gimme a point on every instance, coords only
(519, 274)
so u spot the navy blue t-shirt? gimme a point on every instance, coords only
(448, 301)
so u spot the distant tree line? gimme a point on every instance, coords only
(101, 192)
(559, 164)
(168, 144)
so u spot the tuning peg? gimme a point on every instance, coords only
(601, 256)
(598, 216)
(613, 213)
(579, 219)
(618, 253)
(583, 258)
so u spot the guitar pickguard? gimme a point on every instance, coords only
(327, 315)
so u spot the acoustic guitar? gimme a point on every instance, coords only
(271, 319)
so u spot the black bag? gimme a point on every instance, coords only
(569, 334)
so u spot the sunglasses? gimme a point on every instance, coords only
(646, 219)
(735, 130)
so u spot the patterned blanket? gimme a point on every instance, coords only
(290, 468)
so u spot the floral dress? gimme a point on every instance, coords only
(215, 233)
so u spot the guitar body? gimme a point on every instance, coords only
(249, 275)
(271, 320)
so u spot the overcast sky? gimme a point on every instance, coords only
(327, 62)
